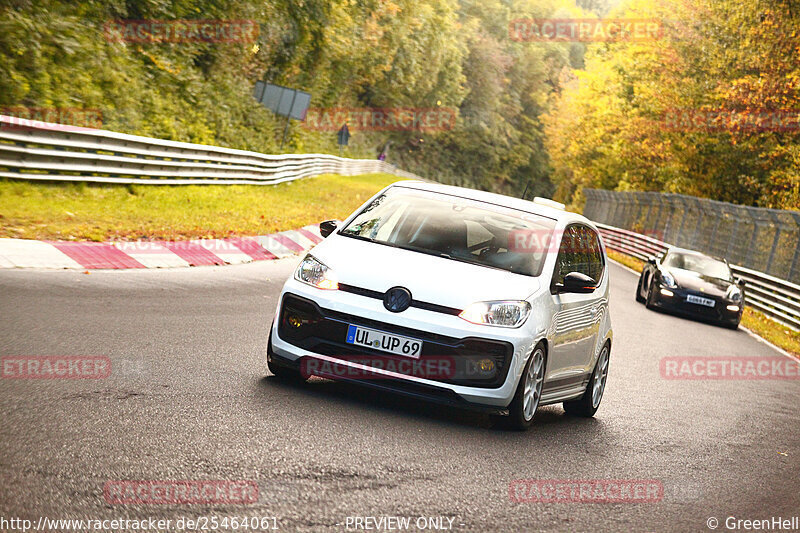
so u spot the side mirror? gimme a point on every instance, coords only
(740, 282)
(577, 283)
(327, 227)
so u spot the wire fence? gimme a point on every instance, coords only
(764, 240)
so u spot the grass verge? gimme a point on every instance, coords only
(758, 323)
(99, 212)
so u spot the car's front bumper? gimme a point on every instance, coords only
(444, 336)
(677, 303)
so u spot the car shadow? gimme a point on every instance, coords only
(692, 318)
(353, 396)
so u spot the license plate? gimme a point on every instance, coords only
(692, 299)
(385, 342)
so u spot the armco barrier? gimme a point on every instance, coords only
(47, 151)
(776, 298)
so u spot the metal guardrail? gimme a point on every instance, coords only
(776, 298)
(47, 151)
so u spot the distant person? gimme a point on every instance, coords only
(384, 152)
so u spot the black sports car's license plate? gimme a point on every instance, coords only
(692, 299)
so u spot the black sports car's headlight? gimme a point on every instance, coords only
(667, 280)
(734, 294)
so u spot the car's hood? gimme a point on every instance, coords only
(430, 278)
(687, 279)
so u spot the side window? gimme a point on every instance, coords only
(566, 260)
(596, 261)
(580, 251)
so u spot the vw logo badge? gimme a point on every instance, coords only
(397, 299)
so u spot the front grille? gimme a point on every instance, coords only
(470, 361)
(369, 293)
(698, 309)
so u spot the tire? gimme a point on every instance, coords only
(285, 373)
(730, 325)
(639, 297)
(520, 418)
(281, 372)
(651, 296)
(586, 405)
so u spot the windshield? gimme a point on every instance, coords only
(699, 263)
(456, 228)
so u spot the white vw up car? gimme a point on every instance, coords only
(453, 295)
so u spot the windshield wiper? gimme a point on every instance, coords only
(477, 263)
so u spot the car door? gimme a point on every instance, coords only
(599, 298)
(576, 319)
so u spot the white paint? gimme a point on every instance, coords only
(24, 253)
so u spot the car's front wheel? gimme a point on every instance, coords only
(652, 296)
(529, 392)
(733, 324)
(587, 404)
(285, 373)
(639, 287)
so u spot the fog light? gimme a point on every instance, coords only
(485, 365)
(733, 308)
(666, 292)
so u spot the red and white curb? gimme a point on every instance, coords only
(23, 253)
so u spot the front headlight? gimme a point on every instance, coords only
(667, 280)
(316, 274)
(734, 293)
(506, 314)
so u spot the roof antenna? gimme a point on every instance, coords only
(526, 190)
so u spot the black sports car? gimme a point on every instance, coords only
(691, 283)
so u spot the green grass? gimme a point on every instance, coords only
(768, 329)
(81, 211)
(628, 261)
(758, 323)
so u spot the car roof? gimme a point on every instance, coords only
(675, 249)
(560, 215)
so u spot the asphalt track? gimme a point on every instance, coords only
(189, 398)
